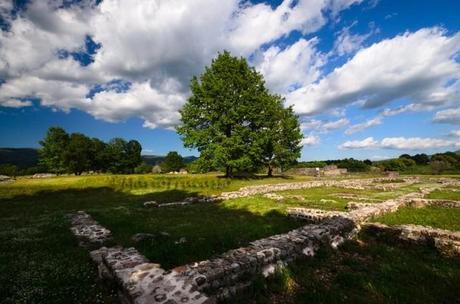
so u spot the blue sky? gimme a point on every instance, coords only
(368, 79)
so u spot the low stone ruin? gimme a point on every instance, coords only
(4, 178)
(221, 277)
(138, 280)
(227, 274)
(359, 184)
(422, 202)
(142, 282)
(357, 205)
(314, 215)
(88, 231)
(274, 196)
(186, 201)
(447, 242)
(43, 175)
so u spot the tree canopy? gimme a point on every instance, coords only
(235, 123)
(77, 153)
(172, 162)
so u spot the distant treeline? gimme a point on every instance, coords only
(77, 153)
(448, 162)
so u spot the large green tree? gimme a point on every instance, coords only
(53, 148)
(228, 115)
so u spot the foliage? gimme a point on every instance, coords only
(76, 153)
(228, 117)
(8, 169)
(143, 169)
(281, 137)
(53, 149)
(172, 162)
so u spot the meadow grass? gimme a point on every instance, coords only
(434, 216)
(363, 272)
(41, 262)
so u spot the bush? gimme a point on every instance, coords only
(143, 168)
(8, 169)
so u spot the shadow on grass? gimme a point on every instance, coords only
(180, 234)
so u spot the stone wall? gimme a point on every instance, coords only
(368, 183)
(141, 281)
(447, 242)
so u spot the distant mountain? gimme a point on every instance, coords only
(158, 159)
(457, 152)
(21, 157)
(28, 157)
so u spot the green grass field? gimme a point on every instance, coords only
(41, 262)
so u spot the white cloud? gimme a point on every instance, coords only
(324, 126)
(400, 143)
(361, 126)
(451, 116)
(418, 66)
(455, 133)
(359, 144)
(310, 140)
(156, 45)
(347, 43)
(407, 108)
(333, 125)
(415, 143)
(296, 65)
(15, 103)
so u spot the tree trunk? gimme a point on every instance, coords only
(270, 171)
(228, 171)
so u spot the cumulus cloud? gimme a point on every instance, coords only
(425, 75)
(451, 116)
(413, 107)
(347, 42)
(361, 126)
(155, 45)
(324, 126)
(455, 133)
(15, 103)
(360, 144)
(400, 143)
(280, 67)
(310, 140)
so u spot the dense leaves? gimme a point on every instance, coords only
(173, 162)
(235, 123)
(76, 153)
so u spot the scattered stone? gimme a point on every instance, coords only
(357, 205)
(43, 175)
(4, 178)
(182, 240)
(156, 169)
(323, 200)
(274, 196)
(151, 204)
(139, 237)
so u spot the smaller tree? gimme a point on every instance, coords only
(78, 155)
(172, 162)
(9, 170)
(53, 148)
(281, 137)
(133, 154)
